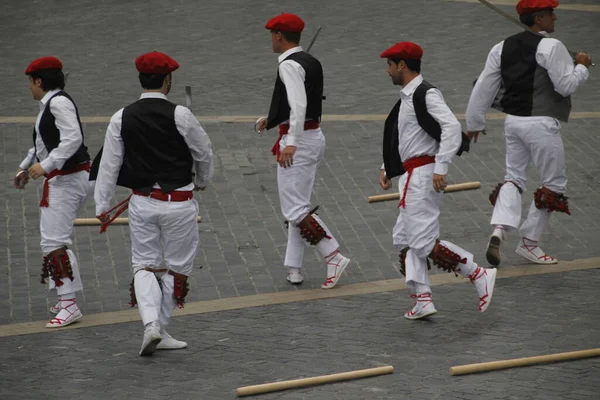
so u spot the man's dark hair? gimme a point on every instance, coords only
(528, 19)
(152, 81)
(293, 37)
(413, 65)
(52, 78)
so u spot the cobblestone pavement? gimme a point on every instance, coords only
(529, 316)
(224, 53)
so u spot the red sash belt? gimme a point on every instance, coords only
(173, 196)
(155, 194)
(45, 192)
(409, 165)
(284, 129)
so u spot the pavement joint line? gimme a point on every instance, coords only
(266, 299)
(566, 7)
(232, 119)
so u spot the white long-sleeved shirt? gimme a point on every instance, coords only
(551, 55)
(112, 155)
(414, 141)
(293, 75)
(71, 136)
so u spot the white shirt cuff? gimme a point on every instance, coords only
(101, 208)
(440, 168)
(292, 140)
(47, 165)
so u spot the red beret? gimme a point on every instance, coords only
(43, 63)
(529, 6)
(404, 51)
(155, 62)
(285, 23)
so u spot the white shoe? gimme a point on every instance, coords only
(169, 343)
(335, 269)
(533, 253)
(295, 276)
(55, 309)
(65, 316)
(151, 339)
(423, 307)
(484, 280)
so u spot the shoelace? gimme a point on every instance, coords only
(329, 260)
(422, 298)
(61, 321)
(531, 246)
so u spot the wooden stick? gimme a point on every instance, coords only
(449, 189)
(96, 221)
(523, 362)
(316, 380)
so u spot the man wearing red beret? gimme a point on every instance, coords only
(296, 108)
(421, 135)
(160, 151)
(533, 76)
(58, 154)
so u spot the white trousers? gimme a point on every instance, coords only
(66, 196)
(418, 228)
(295, 186)
(530, 139)
(161, 230)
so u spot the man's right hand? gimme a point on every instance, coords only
(384, 182)
(474, 135)
(583, 58)
(260, 125)
(21, 179)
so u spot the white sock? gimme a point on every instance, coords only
(153, 324)
(421, 288)
(293, 270)
(66, 299)
(499, 231)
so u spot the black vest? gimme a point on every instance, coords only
(155, 151)
(51, 135)
(391, 155)
(313, 83)
(527, 90)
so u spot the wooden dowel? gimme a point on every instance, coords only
(523, 362)
(449, 189)
(316, 380)
(96, 221)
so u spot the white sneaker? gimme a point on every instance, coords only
(169, 343)
(533, 253)
(335, 269)
(55, 309)
(295, 276)
(66, 315)
(423, 307)
(484, 280)
(151, 339)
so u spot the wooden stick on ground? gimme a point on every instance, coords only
(449, 189)
(316, 380)
(523, 362)
(96, 221)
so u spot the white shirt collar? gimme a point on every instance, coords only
(412, 85)
(153, 95)
(289, 52)
(544, 34)
(47, 98)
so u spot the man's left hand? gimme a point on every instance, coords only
(104, 217)
(36, 171)
(286, 158)
(439, 182)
